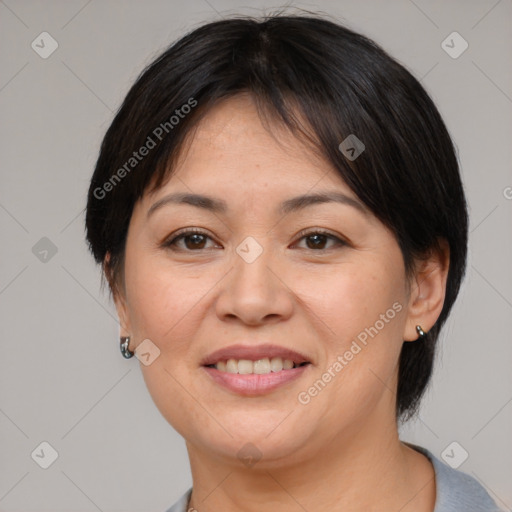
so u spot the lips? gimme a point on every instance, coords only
(254, 353)
(287, 366)
(253, 385)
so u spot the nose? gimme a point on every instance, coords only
(256, 292)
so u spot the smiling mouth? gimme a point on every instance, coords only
(261, 366)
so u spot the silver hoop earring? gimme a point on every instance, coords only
(420, 331)
(125, 341)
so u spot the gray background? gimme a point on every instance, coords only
(62, 377)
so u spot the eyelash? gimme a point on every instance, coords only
(303, 234)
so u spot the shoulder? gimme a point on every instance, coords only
(181, 504)
(457, 491)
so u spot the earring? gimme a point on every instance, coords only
(125, 341)
(420, 331)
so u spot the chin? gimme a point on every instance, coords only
(259, 443)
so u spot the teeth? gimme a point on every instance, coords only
(276, 364)
(260, 367)
(231, 366)
(245, 366)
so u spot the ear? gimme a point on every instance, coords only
(119, 297)
(428, 290)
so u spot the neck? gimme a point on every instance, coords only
(366, 469)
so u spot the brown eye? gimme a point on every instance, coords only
(192, 241)
(317, 240)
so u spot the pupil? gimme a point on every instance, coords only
(319, 240)
(196, 239)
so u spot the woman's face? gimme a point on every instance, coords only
(262, 271)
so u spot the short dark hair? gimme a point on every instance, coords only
(296, 68)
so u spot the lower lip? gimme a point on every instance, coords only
(253, 384)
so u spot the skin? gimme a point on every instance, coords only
(341, 450)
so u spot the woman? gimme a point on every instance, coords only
(278, 210)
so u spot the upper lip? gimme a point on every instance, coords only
(253, 353)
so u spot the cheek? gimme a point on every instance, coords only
(164, 307)
(362, 305)
(353, 297)
(161, 299)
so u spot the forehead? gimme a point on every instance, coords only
(231, 147)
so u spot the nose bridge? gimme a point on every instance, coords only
(251, 266)
(253, 292)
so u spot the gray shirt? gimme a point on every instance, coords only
(455, 491)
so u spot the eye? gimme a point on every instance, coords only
(316, 240)
(193, 239)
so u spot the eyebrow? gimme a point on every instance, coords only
(290, 205)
